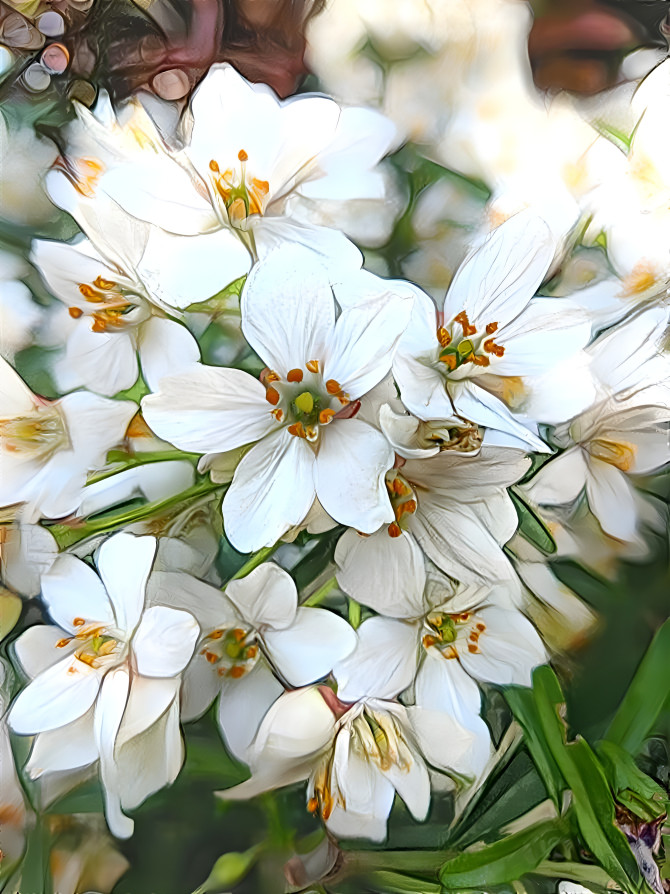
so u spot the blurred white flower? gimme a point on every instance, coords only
(47, 447)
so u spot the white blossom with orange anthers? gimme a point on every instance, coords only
(302, 413)
(624, 433)
(255, 640)
(361, 746)
(114, 319)
(48, 447)
(259, 166)
(105, 681)
(452, 507)
(495, 355)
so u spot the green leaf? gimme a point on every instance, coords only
(33, 364)
(593, 802)
(506, 860)
(645, 697)
(531, 526)
(522, 705)
(632, 788)
(397, 883)
(35, 874)
(10, 611)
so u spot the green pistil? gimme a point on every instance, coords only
(444, 628)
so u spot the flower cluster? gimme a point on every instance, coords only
(226, 376)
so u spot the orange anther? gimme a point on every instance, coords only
(429, 640)
(481, 627)
(449, 360)
(278, 414)
(313, 805)
(78, 622)
(450, 653)
(242, 155)
(238, 634)
(63, 642)
(325, 416)
(269, 376)
(491, 328)
(333, 387)
(394, 530)
(252, 651)
(212, 657)
(101, 283)
(479, 360)
(72, 669)
(90, 293)
(468, 328)
(236, 672)
(312, 366)
(443, 337)
(294, 375)
(99, 325)
(472, 648)
(297, 430)
(75, 312)
(214, 166)
(493, 348)
(272, 396)
(215, 634)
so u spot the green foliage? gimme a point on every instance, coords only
(505, 860)
(531, 526)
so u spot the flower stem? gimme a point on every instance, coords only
(255, 560)
(319, 595)
(68, 533)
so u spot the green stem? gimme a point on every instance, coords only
(67, 535)
(354, 613)
(319, 595)
(402, 861)
(255, 560)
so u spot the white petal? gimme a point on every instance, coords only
(151, 760)
(164, 641)
(266, 597)
(182, 270)
(71, 589)
(298, 724)
(288, 310)
(611, 498)
(510, 648)
(349, 472)
(105, 362)
(200, 686)
(95, 425)
(332, 249)
(107, 720)
(273, 490)
(209, 410)
(15, 396)
(148, 699)
(366, 335)
(166, 348)
(559, 481)
(59, 695)
(67, 748)
(183, 591)
(124, 562)
(386, 573)
(484, 408)
(499, 278)
(307, 649)
(449, 745)
(243, 704)
(36, 649)
(383, 663)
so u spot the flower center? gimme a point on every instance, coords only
(616, 453)
(114, 307)
(83, 173)
(460, 343)
(304, 402)
(241, 194)
(100, 647)
(37, 435)
(403, 502)
(232, 651)
(451, 633)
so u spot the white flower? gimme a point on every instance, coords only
(484, 356)
(47, 447)
(319, 365)
(453, 507)
(106, 679)
(115, 319)
(250, 160)
(20, 316)
(356, 749)
(254, 636)
(625, 433)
